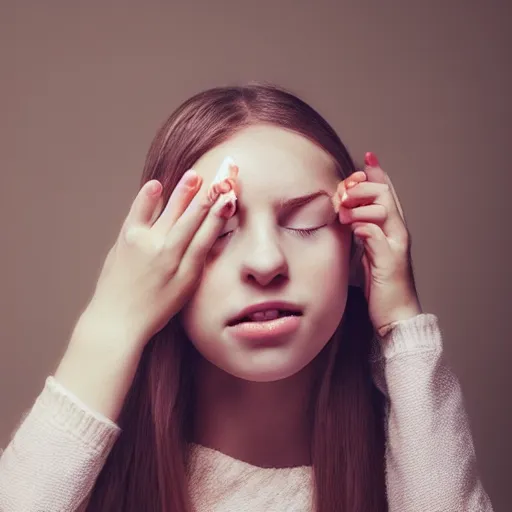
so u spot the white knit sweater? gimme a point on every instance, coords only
(56, 454)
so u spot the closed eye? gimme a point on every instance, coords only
(224, 235)
(303, 232)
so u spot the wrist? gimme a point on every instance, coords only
(99, 331)
(100, 363)
(98, 370)
(409, 310)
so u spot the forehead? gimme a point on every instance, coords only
(272, 160)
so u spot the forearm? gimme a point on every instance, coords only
(99, 366)
(431, 463)
(62, 444)
(55, 455)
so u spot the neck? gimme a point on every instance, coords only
(266, 424)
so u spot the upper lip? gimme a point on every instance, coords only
(265, 306)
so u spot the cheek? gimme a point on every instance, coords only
(326, 261)
(199, 311)
(326, 267)
(205, 312)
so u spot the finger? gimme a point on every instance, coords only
(364, 194)
(395, 198)
(347, 183)
(180, 198)
(158, 210)
(197, 241)
(377, 248)
(376, 213)
(189, 222)
(376, 174)
(351, 181)
(395, 226)
(144, 204)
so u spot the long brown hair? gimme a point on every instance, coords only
(147, 467)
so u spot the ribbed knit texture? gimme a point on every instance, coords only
(57, 452)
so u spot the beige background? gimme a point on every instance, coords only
(425, 85)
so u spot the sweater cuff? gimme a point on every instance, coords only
(420, 333)
(63, 410)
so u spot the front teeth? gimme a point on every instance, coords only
(261, 316)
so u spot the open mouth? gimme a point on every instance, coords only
(264, 316)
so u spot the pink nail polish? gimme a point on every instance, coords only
(371, 160)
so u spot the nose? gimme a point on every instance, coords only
(264, 261)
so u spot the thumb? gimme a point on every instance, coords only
(376, 245)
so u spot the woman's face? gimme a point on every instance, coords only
(264, 257)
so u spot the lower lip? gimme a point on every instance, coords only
(258, 331)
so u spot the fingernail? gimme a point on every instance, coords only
(350, 184)
(154, 188)
(371, 160)
(190, 179)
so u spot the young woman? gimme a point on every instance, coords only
(267, 354)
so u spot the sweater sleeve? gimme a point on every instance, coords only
(430, 458)
(56, 454)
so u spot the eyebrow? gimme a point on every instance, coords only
(295, 202)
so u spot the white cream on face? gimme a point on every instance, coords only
(224, 173)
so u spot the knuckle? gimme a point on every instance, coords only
(374, 229)
(157, 244)
(170, 264)
(168, 258)
(205, 202)
(150, 245)
(132, 235)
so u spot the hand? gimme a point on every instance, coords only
(154, 266)
(369, 204)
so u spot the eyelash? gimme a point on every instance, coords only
(304, 233)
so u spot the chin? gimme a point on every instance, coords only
(265, 371)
